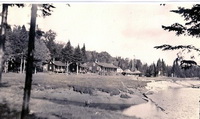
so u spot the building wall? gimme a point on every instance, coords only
(50, 66)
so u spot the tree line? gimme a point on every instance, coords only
(46, 49)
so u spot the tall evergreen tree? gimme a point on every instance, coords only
(131, 65)
(176, 69)
(84, 56)
(58, 51)
(49, 39)
(77, 55)
(164, 68)
(144, 69)
(159, 67)
(138, 65)
(152, 70)
(67, 53)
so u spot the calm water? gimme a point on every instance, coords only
(180, 103)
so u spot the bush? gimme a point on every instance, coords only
(85, 90)
(124, 96)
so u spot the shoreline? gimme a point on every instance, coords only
(77, 99)
(165, 95)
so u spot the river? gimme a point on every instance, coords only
(170, 103)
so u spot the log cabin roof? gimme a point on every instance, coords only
(59, 63)
(106, 65)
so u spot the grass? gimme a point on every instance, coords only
(83, 83)
(13, 85)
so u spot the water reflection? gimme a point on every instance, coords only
(145, 111)
(182, 103)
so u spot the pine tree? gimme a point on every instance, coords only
(84, 56)
(176, 70)
(67, 54)
(152, 70)
(49, 39)
(77, 55)
(131, 65)
(159, 67)
(164, 70)
(138, 65)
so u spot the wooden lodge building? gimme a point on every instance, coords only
(102, 68)
(128, 72)
(55, 66)
(82, 68)
(95, 67)
(105, 67)
(60, 67)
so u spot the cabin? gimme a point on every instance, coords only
(92, 67)
(55, 66)
(128, 72)
(119, 70)
(82, 68)
(106, 67)
(102, 68)
(137, 73)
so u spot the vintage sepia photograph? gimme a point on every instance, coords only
(99, 60)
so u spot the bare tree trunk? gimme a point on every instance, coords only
(21, 62)
(6, 67)
(77, 68)
(24, 65)
(67, 67)
(29, 66)
(3, 36)
(35, 70)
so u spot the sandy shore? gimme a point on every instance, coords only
(158, 85)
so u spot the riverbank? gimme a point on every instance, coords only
(169, 98)
(60, 96)
(163, 83)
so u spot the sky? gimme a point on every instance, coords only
(126, 29)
